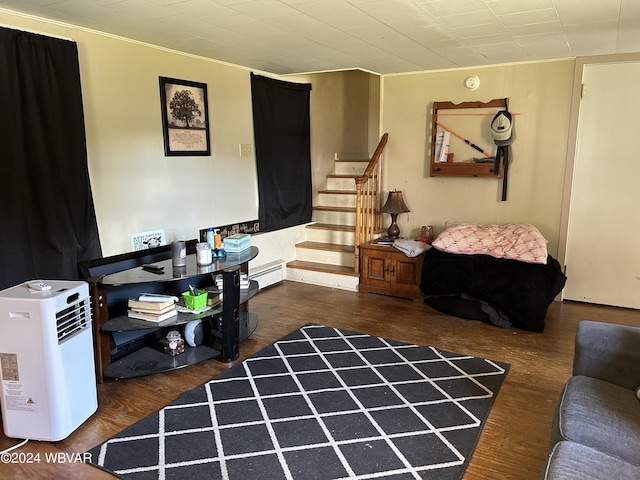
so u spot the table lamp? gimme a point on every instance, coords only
(394, 205)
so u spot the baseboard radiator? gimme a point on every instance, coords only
(268, 274)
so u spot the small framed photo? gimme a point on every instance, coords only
(185, 117)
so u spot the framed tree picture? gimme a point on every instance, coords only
(185, 117)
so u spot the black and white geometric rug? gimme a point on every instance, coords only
(321, 403)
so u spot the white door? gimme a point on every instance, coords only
(603, 244)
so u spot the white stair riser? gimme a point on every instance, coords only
(325, 256)
(339, 237)
(352, 155)
(343, 282)
(337, 200)
(341, 183)
(350, 168)
(337, 218)
(330, 236)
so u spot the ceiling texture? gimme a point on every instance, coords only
(378, 36)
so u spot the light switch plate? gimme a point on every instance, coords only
(246, 150)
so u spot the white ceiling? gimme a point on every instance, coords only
(379, 36)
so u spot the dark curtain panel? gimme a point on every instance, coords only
(283, 152)
(47, 214)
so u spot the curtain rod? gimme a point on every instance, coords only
(46, 34)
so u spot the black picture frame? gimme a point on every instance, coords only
(185, 117)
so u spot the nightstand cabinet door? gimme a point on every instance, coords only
(376, 269)
(406, 272)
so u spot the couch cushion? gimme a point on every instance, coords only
(572, 461)
(600, 415)
(609, 352)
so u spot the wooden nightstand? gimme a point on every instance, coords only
(386, 270)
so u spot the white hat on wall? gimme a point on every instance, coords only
(502, 128)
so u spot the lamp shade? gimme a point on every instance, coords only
(395, 203)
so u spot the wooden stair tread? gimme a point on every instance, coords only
(348, 160)
(335, 209)
(333, 247)
(344, 175)
(322, 267)
(332, 226)
(338, 192)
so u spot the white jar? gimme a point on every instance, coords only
(203, 254)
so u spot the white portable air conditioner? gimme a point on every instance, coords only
(46, 359)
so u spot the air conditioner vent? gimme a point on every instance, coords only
(73, 319)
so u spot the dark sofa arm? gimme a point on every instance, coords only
(609, 352)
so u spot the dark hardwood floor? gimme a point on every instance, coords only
(513, 444)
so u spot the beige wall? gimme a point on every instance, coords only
(135, 187)
(344, 116)
(125, 144)
(540, 92)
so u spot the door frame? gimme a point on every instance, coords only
(578, 73)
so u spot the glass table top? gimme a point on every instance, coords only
(170, 273)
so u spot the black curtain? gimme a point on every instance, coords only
(48, 218)
(283, 152)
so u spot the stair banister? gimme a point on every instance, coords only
(369, 201)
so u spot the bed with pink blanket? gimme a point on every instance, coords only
(497, 273)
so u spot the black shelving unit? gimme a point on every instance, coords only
(110, 316)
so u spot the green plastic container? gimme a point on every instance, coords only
(195, 302)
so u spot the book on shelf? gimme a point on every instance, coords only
(157, 298)
(217, 300)
(214, 297)
(244, 282)
(153, 307)
(244, 285)
(152, 317)
(385, 241)
(443, 139)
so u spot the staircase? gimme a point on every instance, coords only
(348, 214)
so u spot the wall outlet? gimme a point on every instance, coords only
(246, 150)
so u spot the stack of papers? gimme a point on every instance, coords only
(244, 282)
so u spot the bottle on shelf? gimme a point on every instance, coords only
(218, 250)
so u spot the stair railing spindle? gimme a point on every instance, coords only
(369, 201)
